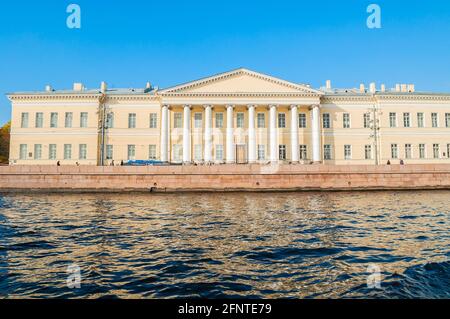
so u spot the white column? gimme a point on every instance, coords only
(187, 134)
(230, 157)
(165, 134)
(251, 135)
(208, 134)
(316, 134)
(273, 142)
(294, 134)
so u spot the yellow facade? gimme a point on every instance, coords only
(356, 126)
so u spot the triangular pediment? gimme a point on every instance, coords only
(240, 81)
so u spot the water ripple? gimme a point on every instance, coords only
(280, 245)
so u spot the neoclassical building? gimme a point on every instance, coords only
(239, 116)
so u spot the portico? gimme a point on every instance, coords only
(235, 109)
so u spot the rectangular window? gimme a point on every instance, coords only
(198, 120)
(132, 120)
(198, 152)
(131, 152)
(23, 151)
(302, 120)
(54, 120)
(346, 120)
(153, 120)
(282, 152)
(281, 120)
(109, 152)
(67, 151)
(219, 152)
(408, 151)
(303, 152)
(327, 152)
(447, 119)
(261, 152)
(420, 120)
(435, 150)
(37, 151)
(368, 152)
(24, 122)
(82, 152)
(219, 120)
(52, 151)
(84, 119)
(261, 120)
(178, 120)
(326, 120)
(68, 119)
(240, 120)
(406, 120)
(152, 152)
(366, 120)
(434, 120)
(177, 152)
(448, 150)
(422, 154)
(347, 152)
(394, 151)
(110, 120)
(393, 119)
(39, 120)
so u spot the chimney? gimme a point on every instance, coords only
(397, 88)
(328, 85)
(383, 88)
(362, 88)
(411, 88)
(78, 87)
(48, 88)
(103, 87)
(148, 86)
(373, 87)
(404, 88)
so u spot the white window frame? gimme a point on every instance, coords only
(153, 120)
(261, 152)
(177, 120)
(240, 120)
(218, 120)
(281, 120)
(302, 120)
(68, 119)
(346, 120)
(152, 152)
(326, 120)
(24, 121)
(82, 152)
(261, 120)
(198, 120)
(131, 152)
(52, 151)
(84, 116)
(347, 152)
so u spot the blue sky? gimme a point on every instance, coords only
(127, 43)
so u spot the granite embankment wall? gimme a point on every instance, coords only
(223, 178)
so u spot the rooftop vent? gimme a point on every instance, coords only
(48, 88)
(78, 87)
(328, 85)
(103, 87)
(383, 88)
(362, 88)
(411, 88)
(373, 87)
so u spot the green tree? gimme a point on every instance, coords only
(4, 142)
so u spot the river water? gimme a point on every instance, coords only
(268, 245)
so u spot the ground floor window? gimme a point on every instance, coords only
(261, 152)
(52, 151)
(177, 152)
(448, 150)
(37, 151)
(152, 152)
(219, 152)
(198, 152)
(435, 150)
(282, 152)
(408, 151)
(368, 152)
(422, 151)
(348, 152)
(303, 152)
(67, 151)
(23, 151)
(109, 152)
(327, 152)
(131, 152)
(83, 152)
(394, 151)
